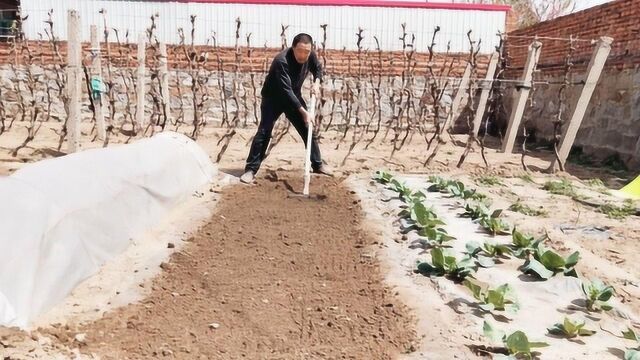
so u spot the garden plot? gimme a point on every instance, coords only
(542, 303)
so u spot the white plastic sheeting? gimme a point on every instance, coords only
(61, 219)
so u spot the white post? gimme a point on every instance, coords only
(140, 84)
(96, 70)
(598, 59)
(164, 82)
(486, 90)
(520, 102)
(307, 161)
(74, 89)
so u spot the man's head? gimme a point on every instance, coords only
(302, 47)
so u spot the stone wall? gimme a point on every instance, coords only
(611, 126)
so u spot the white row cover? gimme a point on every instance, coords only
(61, 219)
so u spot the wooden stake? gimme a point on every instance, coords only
(96, 70)
(140, 83)
(598, 59)
(520, 101)
(164, 82)
(74, 88)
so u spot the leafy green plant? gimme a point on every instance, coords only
(562, 187)
(522, 208)
(434, 236)
(382, 177)
(475, 211)
(502, 298)
(595, 183)
(597, 295)
(494, 224)
(633, 353)
(570, 328)
(427, 223)
(438, 184)
(457, 189)
(486, 252)
(445, 263)
(525, 245)
(547, 263)
(421, 215)
(617, 212)
(489, 180)
(517, 344)
(402, 189)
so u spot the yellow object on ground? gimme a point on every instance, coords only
(633, 188)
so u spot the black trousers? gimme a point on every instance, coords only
(270, 111)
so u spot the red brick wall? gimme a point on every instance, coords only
(617, 19)
(338, 62)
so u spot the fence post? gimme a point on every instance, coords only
(598, 59)
(140, 83)
(457, 100)
(96, 70)
(164, 82)
(74, 89)
(520, 102)
(486, 90)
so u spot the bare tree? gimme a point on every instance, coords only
(531, 12)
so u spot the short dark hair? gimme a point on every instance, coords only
(302, 38)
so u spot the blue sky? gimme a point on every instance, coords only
(585, 4)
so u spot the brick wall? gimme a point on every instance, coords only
(617, 19)
(258, 59)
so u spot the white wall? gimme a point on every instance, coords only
(264, 22)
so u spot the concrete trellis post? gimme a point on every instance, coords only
(522, 96)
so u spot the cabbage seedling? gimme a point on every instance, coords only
(597, 295)
(570, 329)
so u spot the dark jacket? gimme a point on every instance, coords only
(286, 76)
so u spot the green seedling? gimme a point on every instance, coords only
(524, 245)
(489, 180)
(382, 177)
(632, 353)
(486, 252)
(475, 211)
(570, 329)
(502, 298)
(522, 208)
(516, 344)
(434, 236)
(439, 184)
(617, 212)
(445, 263)
(494, 224)
(547, 263)
(597, 295)
(562, 187)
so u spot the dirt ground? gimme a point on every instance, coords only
(258, 283)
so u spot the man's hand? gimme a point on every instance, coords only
(305, 115)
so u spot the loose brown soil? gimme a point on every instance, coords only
(272, 276)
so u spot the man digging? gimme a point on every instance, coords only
(281, 93)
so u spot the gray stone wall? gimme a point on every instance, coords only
(611, 125)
